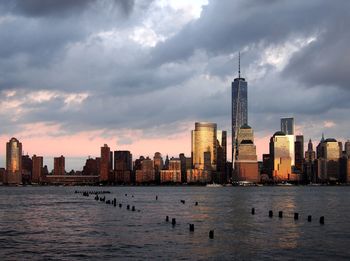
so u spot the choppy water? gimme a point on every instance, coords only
(53, 223)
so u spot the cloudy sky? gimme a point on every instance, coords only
(137, 74)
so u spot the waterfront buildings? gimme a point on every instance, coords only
(13, 162)
(146, 172)
(27, 166)
(158, 165)
(287, 127)
(328, 155)
(239, 107)
(122, 166)
(280, 157)
(59, 166)
(220, 175)
(91, 167)
(204, 146)
(198, 176)
(105, 164)
(208, 153)
(186, 164)
(310, 156)
(37, 169)
(246, 163)
(299, 154)
(173, 174)
(347, 148)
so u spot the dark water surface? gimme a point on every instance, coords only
(53, 223)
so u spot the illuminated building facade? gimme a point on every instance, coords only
(328, 156)
(280, 157)
(287, 127)
(198, 176)
(173, 174)
(13, 162)
(204, 143)
(146, 173)
(246, 163)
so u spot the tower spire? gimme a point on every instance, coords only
(239, 64)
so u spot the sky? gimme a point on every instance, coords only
(137, 75)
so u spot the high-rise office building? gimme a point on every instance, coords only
(186, 163)
(37, 168)
(246, 163)
(299, 153)
(287, 126)
(328, 155)
(59, 166)
(204, 145)
(27, 165)
(220, 175)
(280, 156)
(104, 164)
(347, 148)
(13, 162)
(310, 156)
(122, 166)
(158, 165)
(239, 107)
(146, 173)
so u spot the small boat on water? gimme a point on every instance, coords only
(213, 185)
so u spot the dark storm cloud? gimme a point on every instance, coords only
(42, 8)
(227, 26)
(325, 61)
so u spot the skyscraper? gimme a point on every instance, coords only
(122, 166)
(347, 148)
(287, 126)
(239, 107)
(13, 162)
(280, 156)
(310, 157)
(246, 164)
(37, 168)
(221, 153)
(104, 163)
(59, 166)
(299, 153)
(328, 155)
(204, 141)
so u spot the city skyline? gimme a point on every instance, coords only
(67, 79)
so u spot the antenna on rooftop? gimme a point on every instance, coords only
(239, 64)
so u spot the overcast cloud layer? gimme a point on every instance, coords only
(132, 71)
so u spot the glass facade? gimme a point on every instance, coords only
(287, 126)
(280, 157)
(13, 156)
(204, 140)
(239, 109)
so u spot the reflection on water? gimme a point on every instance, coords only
(54, 223)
